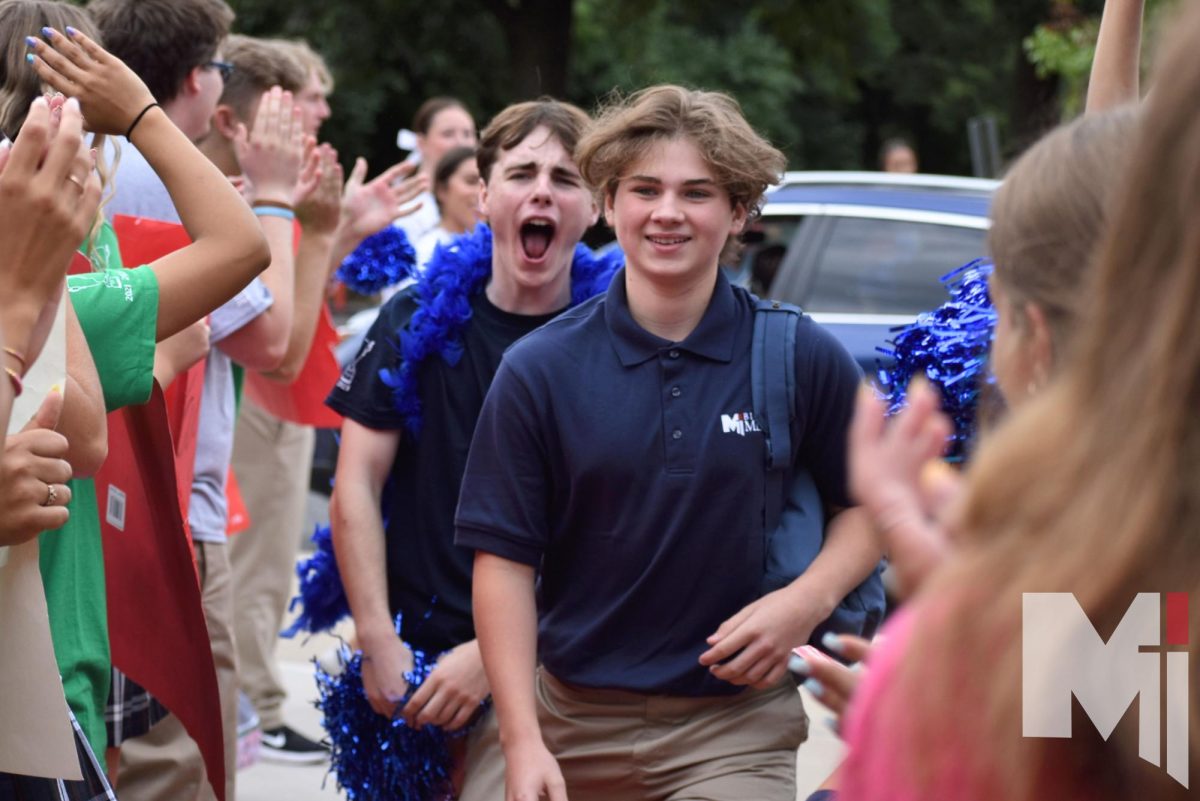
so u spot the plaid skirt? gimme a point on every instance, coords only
(93, 787)
(131, 711)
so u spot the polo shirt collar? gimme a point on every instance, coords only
(713, 338)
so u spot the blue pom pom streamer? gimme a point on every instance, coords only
(381, 260)
(949, 346)
(456, 273)
(379, 759)
(322, 598)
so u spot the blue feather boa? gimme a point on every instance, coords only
(456, 273)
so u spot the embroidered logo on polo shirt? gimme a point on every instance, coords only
(741, 423)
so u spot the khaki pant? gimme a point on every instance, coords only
(165, 764)
(271, 459)
(613, 744)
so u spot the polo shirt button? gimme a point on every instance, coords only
(676, 392)
(677, 434)
(674, 354)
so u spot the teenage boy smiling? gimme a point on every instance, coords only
(617, 486)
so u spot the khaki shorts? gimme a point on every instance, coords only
(614, 744)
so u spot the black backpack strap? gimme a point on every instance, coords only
(773, 389)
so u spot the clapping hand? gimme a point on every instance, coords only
(319, 210)
(369, 208)
(33, 477)
(895, 471)
(110, 93)
(48, 184)
(272, 154)
(831, 682)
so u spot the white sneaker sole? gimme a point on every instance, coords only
(268, 754)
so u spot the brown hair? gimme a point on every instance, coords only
(1089, 489)
(1049, 214)
(449, 165)
(890, 146)
(743, 163)
(258, 64)
(310, 59)
(566, 123)
(19, 84)
(162, 40)
(423, 119)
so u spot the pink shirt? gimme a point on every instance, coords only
(874, 770)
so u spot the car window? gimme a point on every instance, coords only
(889, 266)
(764, 246)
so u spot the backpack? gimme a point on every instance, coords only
(793, 515)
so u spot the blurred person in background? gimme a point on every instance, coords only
(456, 187)
(440, 125)
(272, 456)
(897, 155)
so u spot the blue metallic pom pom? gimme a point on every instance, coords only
(322, 599)
(380, 261)
(949, 346)
(376, 758)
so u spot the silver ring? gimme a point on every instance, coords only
(51, 495)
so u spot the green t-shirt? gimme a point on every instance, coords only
(118, 312)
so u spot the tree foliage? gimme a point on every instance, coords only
(826, 81)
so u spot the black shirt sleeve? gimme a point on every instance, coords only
(827, 381)
(360, 393)
(502, 508)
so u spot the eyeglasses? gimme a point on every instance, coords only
(224, 67)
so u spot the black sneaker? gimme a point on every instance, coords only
(285, 744)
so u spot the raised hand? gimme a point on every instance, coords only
(369, 208)
(33, 477)
(111, 94)
(831, 682)
(272, 154)
(47, 181)
(320, 210)
(896, 473)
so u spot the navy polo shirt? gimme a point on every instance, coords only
(629, 470)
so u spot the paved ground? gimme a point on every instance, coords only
(271, 782)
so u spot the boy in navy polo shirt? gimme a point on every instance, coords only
(537, 207)
(617, 460)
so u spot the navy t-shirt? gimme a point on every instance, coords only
(630, 471)
(429, 577)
